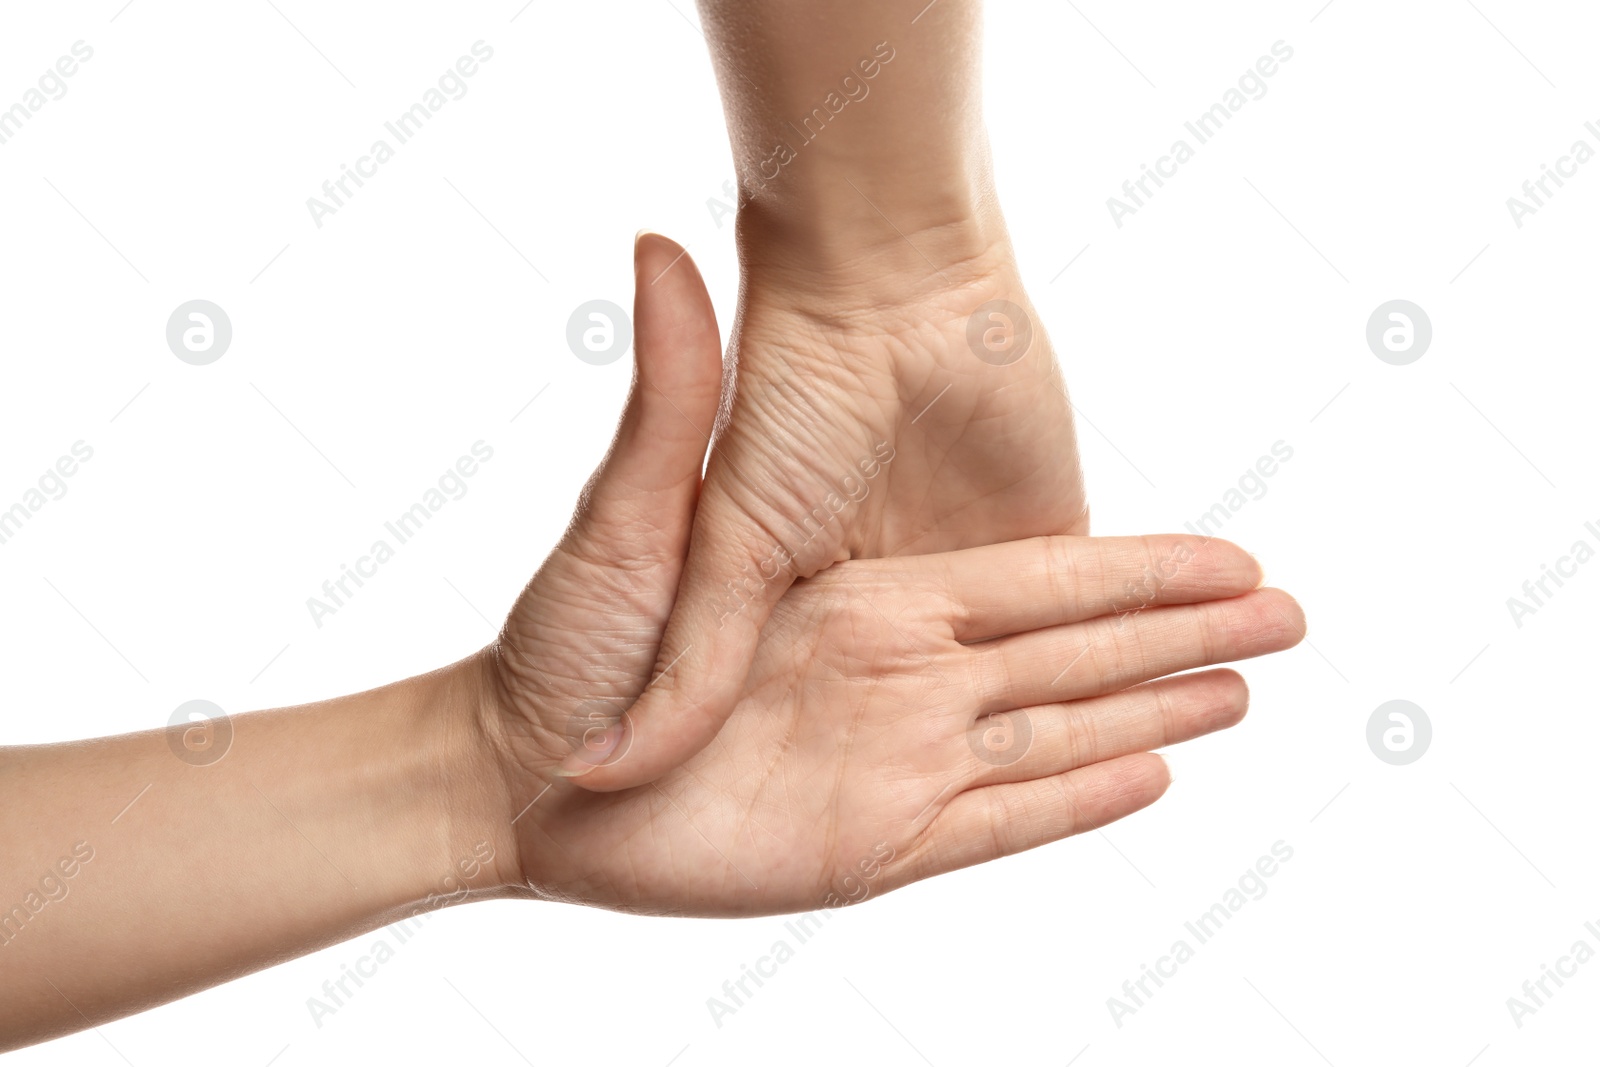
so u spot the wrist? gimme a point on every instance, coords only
(859, 240)
(439, 784)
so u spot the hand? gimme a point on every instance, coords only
(862, 424)
(908, 717)
(903, 717)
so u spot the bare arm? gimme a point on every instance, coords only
(145, 867)
(850, 121)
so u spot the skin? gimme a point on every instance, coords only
(870, 729)
(869, 254)
(867, 704)
(863, 753)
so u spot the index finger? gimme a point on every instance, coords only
(1017, 586)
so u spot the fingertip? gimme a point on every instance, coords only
(654, 254)
(595, 750)
(1207, 568)
(1139, 780)
(1233, 696)
(689, 701)
(597, 777)
(1287, 609)
(1237, 567)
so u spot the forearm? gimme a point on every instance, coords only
(137, 872)
(853, 126)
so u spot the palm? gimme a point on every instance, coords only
(852, 433)
(859, 759)
(811, 778)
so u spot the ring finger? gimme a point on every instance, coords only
(1047, 739)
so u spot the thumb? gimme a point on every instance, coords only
(639, 504)
(733, 577)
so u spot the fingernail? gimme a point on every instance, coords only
(593, 750)
(1261, 572)
(1171, 773)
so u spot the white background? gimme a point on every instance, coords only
(1226, 315)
